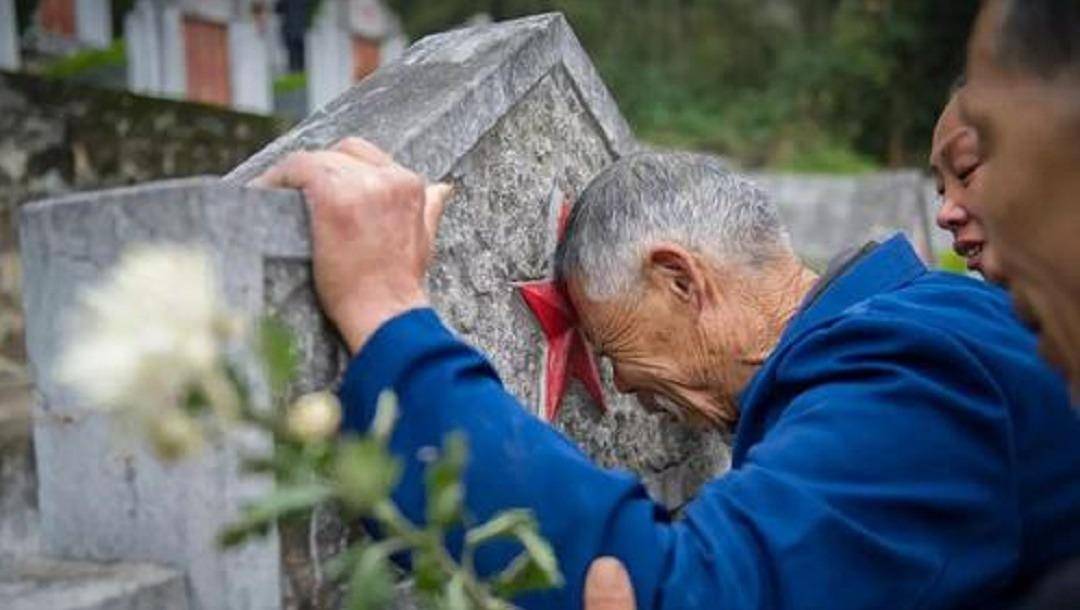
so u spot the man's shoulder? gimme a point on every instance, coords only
(937, 326)
(948, 307)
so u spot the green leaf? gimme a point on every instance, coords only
(454, 596)
(535, 568)
(365, 473)
(195, 402)
(523, 574)
(542, 556)
(428, 575)
(258, 517)
(372, 584)
(341, 565)
(502, 525)
(386, 412)
(445, 492)
(279, 354)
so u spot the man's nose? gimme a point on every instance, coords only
(951, 215)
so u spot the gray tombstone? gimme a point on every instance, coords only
(93, 22)
(328, 55)
(154, 46)
(508, 113)
(828, 214)
(104, 499)
(9, 36)
(249, 67)
(511, 114)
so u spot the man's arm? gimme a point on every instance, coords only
(880, 481)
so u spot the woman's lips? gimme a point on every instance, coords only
(972, 253)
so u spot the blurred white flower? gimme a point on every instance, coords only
(151, 334)
(314, 417)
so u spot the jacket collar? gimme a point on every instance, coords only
(874, 270)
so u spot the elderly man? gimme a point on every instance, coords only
(1023, 98)
(896, 444)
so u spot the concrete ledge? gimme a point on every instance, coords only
(39, 584)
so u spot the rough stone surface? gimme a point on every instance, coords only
(58, 137)
(827, 214)
(142, 510)
(18, 485)
(431, 107)
(508, 113)
(32, 583)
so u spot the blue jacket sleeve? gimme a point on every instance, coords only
(880, 486)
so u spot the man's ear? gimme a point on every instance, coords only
(678, 271)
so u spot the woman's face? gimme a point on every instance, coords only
(955, 162)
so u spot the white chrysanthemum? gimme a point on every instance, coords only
(314, 417)
(155, 329)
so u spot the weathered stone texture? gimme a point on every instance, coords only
(142, 510)
(32, 583)
(57, 137)
(18, 485)
(508, 113)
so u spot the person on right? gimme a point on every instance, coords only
(1023, 100)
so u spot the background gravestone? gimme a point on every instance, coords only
(828, 214)
(511, 114)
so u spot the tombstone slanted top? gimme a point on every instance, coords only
(433, 105)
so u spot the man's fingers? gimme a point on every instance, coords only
(299, 169)
(607, 586)
(362, 150)
(282, 174)
(435, 198)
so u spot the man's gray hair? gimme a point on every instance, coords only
(687, 199)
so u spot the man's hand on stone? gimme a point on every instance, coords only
(373, 227)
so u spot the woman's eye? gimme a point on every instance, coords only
(965, 175)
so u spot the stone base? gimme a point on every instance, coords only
(19, 529)
(38, 583)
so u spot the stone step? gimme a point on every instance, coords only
(49, 584)
(19, 518)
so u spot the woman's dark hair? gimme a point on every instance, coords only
(1040, 36)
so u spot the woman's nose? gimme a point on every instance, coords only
(951, 215)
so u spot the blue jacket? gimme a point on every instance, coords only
(903, 447)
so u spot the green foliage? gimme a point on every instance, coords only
(287, 83)
(445, 492)
(365, 473)
(284, 502)
(83, 61)
(278, 353)
(806, 85)
(952, 262)
(359, 474)
(371, 585)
